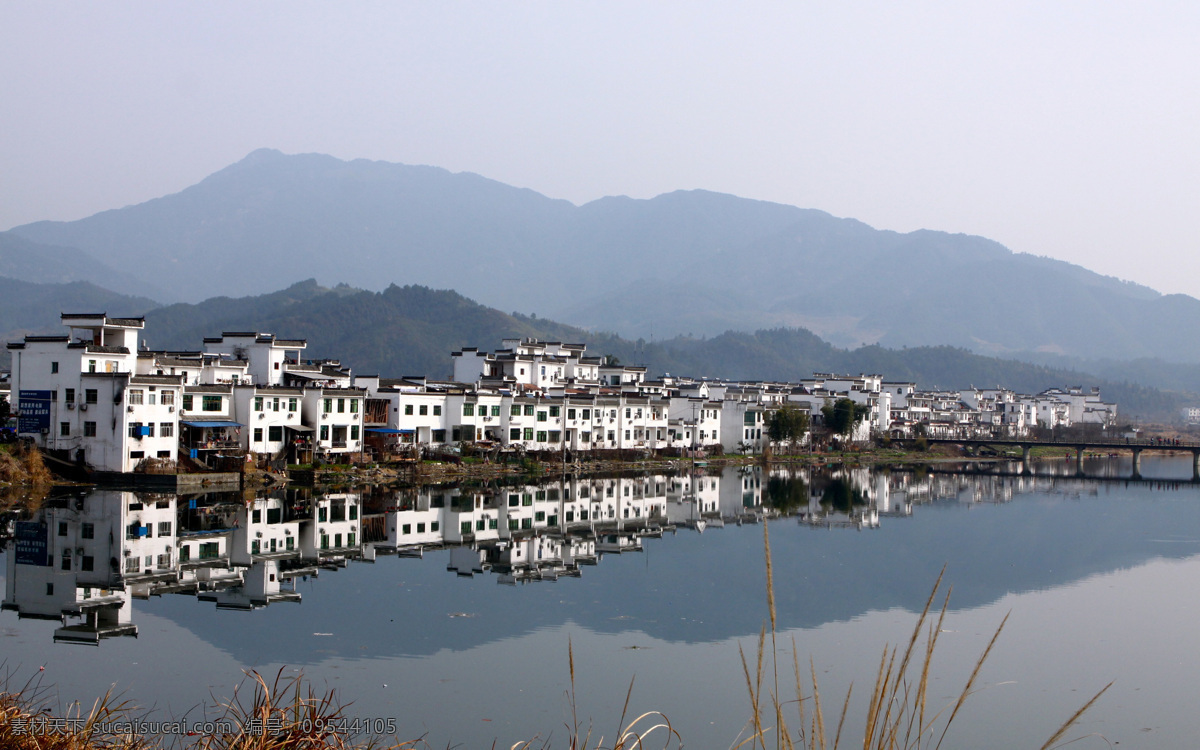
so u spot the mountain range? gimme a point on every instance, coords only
(688, 262)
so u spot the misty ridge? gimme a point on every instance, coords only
(688, 262)
(691, 282)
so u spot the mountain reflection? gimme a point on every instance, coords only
(81, 560)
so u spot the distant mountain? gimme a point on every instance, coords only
(412, 330)
(685, 262)
(28, 308)
(25, 260)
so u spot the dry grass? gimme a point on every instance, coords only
(898, 714)
(643, 732)
(284, 714)
(21, 464)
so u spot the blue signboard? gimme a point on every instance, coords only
(30, 538)
(35, 411)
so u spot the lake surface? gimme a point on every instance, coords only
(460, 632)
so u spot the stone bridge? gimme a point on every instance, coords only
(1079, 445)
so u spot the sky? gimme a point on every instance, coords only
(1064, 129)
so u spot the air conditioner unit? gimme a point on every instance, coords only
(262, 416)
(71, 406)
(83, 407)
(129, 408)
(171, 408)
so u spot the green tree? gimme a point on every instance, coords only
(788, 423)
(841, 415)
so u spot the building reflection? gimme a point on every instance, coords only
(81, 560)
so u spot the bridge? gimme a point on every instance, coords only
(1079, 445)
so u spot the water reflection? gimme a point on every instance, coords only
(81, 560)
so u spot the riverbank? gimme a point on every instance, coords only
(22, 470)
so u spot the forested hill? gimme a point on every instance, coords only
(412, 330)
(683, 262)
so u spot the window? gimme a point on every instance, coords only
(512, 524)
(496, 410)
(137, 396)
(408, 409)
(529, 410)
(69, 395)
(437, 410)
(354, 406)
(185, 553)
(258, 403)
(137, 454)
(587, 414)
(89, 429)
(541, 416)
(211, 403)
(91, 365)
(328, 405)
(89, 396)
(64, 429)
(528, 433)
(354, 432)
(555, 436)
(541, 436)
(275, 433)
(187, 402)
(434, 526)
(135, 429)
(149, 430)
(627, 412)
(87, 531)
(166, 429)
(258, 434)
(570, 413)
(406, 528)
(468, 410)
(167, 398)
(324, 432)
(424, 410)
(292, 403)
(164, 528)
(275, 404)
(465, 527)
(515, 411)
(53, 367)
(514, 433)
(480, 525)
(341, 406)
(554, 411)
(439, 436)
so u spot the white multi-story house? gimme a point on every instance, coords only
(267, 357)
(272, 417)
(81, 399)
(336, 416)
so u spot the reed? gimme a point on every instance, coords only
(284, 714)
(898, 715)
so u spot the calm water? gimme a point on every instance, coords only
(461, 631)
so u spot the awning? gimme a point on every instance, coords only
(299, 428)
(390, 431)
(214, 424)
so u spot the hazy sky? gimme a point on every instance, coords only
(1067, 129)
